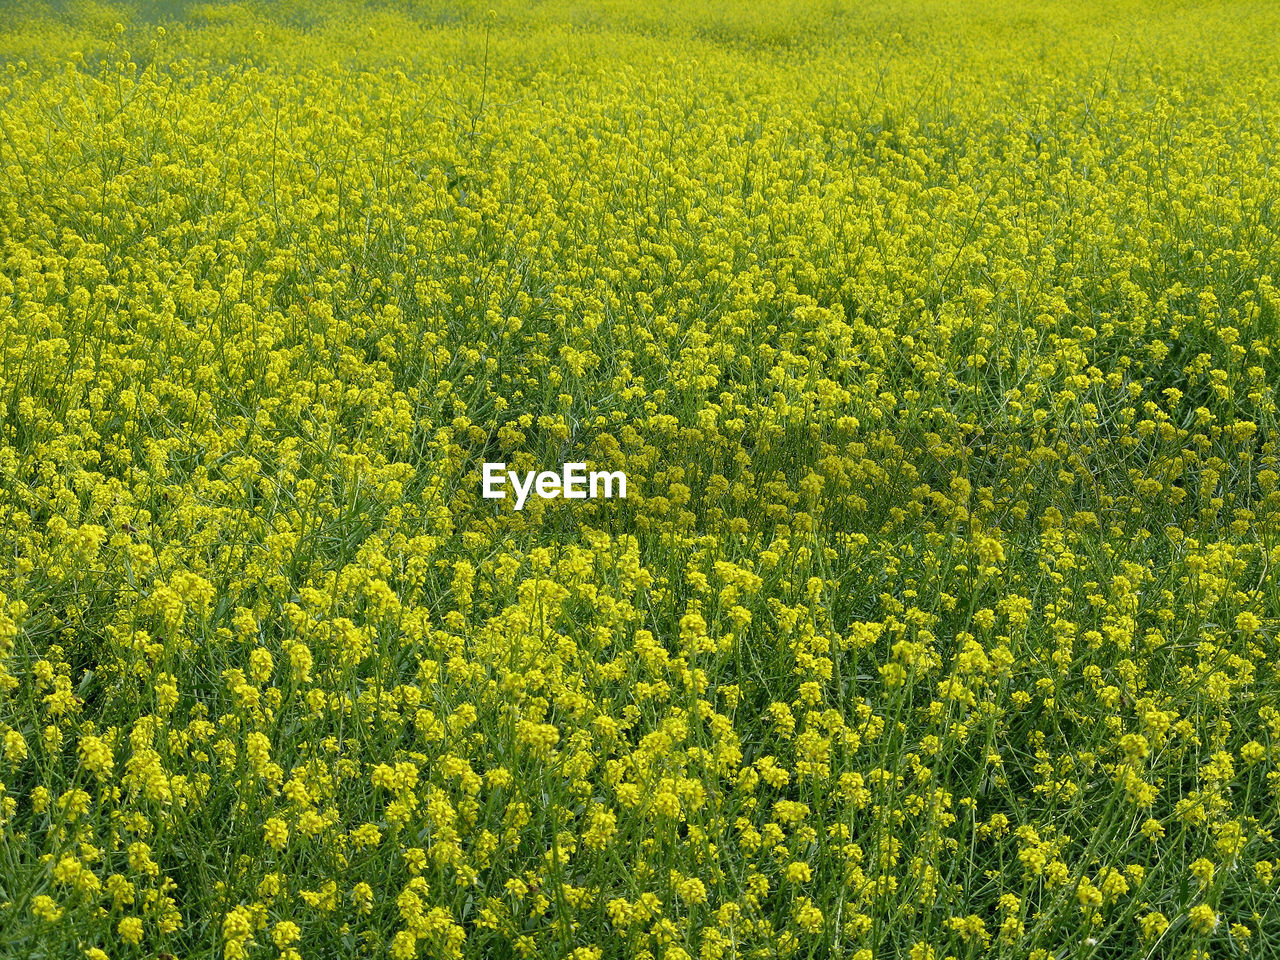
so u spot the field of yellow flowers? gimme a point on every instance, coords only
(940, 345)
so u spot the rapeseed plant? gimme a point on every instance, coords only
(937, 344)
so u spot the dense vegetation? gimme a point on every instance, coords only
(938, 343)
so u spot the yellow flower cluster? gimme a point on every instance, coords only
(939, 343)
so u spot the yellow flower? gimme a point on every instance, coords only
(1203, 918)
(1202, 870)
(276, 833)
(798, 872)
(1153, 925)
(285, 933)
(44, 908)
(130, 930)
